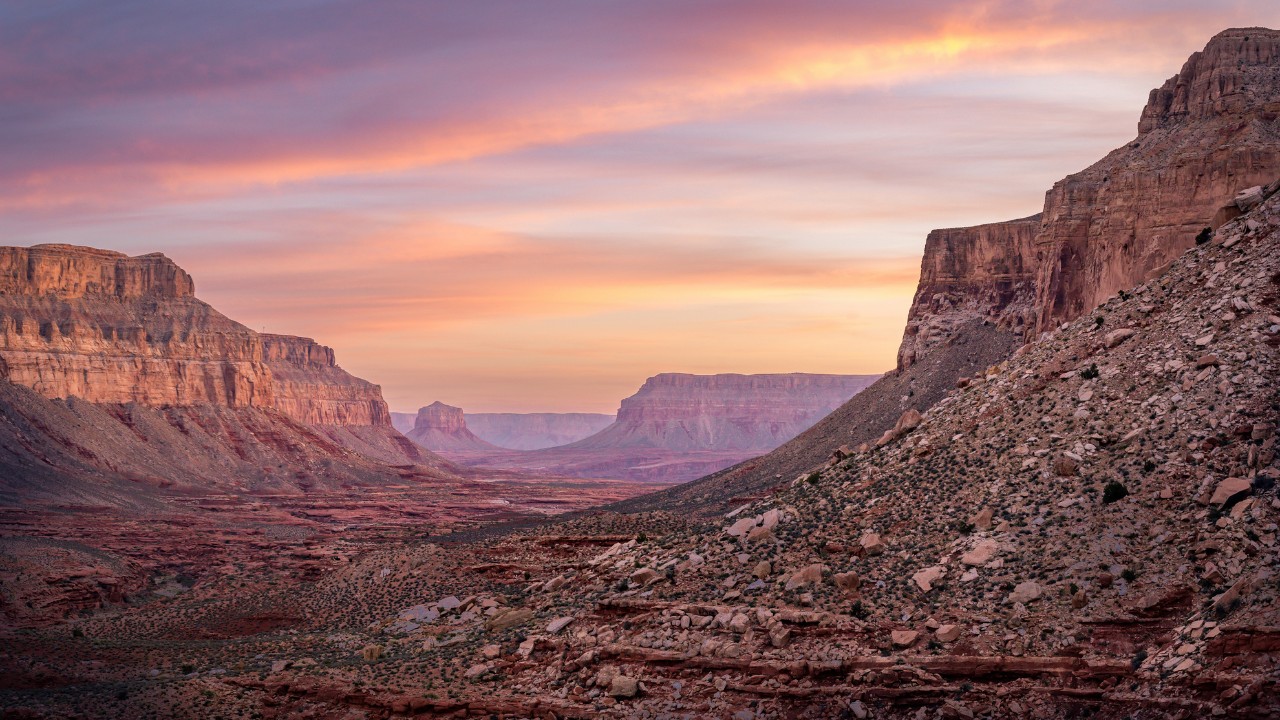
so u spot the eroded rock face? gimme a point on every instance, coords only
(1206, 134)
(311, 388)
(105, 327)
(986, 271)
(444, 427)
(677, 411)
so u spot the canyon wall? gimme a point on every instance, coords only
(87, 325)
(984, 272)
(439, 427)
(1207, 133)
(747, 413)
(105, 327)
(534, 431)
(311, 388)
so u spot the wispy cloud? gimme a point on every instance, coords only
(522, 205)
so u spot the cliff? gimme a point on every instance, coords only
(1207, 133)
(109, 328)
(985, 272)
(311, 388)
(534, 431)
(439, 427)
(102, 328)
(748, 413)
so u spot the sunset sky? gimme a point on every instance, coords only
(534, 205)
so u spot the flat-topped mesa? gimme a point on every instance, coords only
(71, 271)
(108, 328)
(441, 427)
(311, 388)
(984, 272)
(1205, 135)
(678, 411)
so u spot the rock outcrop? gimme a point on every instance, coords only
(151, 378)
(986, 273)
(311, 388)
(534, 431)
(728, 412)
(441, 427)
(1206, 134)
(105, 327)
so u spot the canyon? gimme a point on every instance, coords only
(1062, 503)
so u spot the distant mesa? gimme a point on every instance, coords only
(535, 431)
(440, 427)
(522, 431)
(676, 427)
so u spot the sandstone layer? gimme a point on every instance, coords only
(1209, 132)
(114, 369)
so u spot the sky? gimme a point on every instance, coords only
(534, 205)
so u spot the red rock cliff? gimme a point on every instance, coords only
(309, 385)
(108, 328)
(1207, 133)
(982, 272)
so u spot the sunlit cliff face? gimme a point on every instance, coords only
(533, 206)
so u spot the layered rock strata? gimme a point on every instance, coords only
(1209, 132)
(728, 412)
(113, 339)
(441, 427)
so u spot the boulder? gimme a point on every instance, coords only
(1229, 491)
(1115, 337)
(947, 633)
(847, 581)
(872, 544)
(981, 553)
(924, 579)
(1025, 592)
(904, 638)
(623, 686)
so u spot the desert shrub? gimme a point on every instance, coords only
(1113, 492)
(1090, 372)
(1205, 236)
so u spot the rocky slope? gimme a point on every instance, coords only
(441, 427)
(1088, 529)
(1211, 131)
(113, 371)
(1207, 133)
(535, 431)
